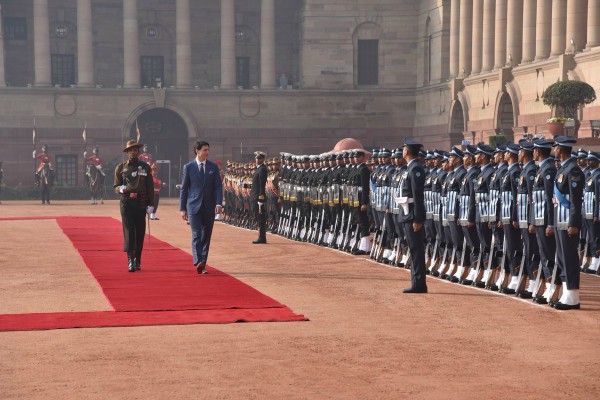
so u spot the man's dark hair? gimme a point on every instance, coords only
(200, 144)
(413, 150)
(545, 152)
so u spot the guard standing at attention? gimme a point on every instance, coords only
(412, 213)
(568, 199)
(257, 196)
(133, 180)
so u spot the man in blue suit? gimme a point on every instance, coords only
(201, 198)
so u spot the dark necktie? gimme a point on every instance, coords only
(202, 171)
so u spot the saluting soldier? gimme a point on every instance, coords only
(133, 180)
(568, 196)
(412, 213)
(258, 197)
(542, 216)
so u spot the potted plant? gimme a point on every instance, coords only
(566, 98)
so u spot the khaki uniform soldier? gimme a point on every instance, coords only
(133, 180)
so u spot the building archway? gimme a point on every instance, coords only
(166, 135)
(457, 123)
(505, 117)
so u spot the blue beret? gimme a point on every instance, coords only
(543, 143)
(455, 151)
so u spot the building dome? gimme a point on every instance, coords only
(348, 144)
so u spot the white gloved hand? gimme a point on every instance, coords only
(34, 153)
(150, 210)
(260, 204)
(122, 188)
(84, 154)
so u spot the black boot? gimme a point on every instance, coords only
(130, 262)
(138, 260)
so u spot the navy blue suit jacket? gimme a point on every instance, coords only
(196, 193)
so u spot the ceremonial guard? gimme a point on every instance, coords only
(591, 205)
(157, 186)
(481, 190)
(466, 216)
(133, 181)
(456, 180)
(530, 261)
(360, 203)
(145, 156)
(257, 196)
(272, 192)
(542, 217)
(397, 226)
(568, 196)
(412, 213)
(47, 175)
(94, 161)
(509, 220)
(440, 173)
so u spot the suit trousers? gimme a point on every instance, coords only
(202, 227)
(261, 219)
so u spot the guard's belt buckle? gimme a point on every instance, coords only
(133, 195)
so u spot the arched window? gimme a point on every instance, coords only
(366, 54)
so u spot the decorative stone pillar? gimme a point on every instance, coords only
(593, 24)
(500, 36)
(529, 27)
(514, 34)
(543, 29)
(267, 44)
(85, 45)
(228, 80)
(465, 39)
(131, 48)
(477, 36)
(41, 43)
(559, 27)
(576, 25)
(183, 44)
(489, 24)
(2, 73)
(454, 37)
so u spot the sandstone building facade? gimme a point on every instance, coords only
(281, 75)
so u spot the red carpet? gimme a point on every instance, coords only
(166, 291)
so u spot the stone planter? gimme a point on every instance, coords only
(556, 128)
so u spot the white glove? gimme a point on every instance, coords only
(84, 154)
(34, 152)
(150, 210)
(260, 204)
(122, 188)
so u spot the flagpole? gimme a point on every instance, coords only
(34, 159)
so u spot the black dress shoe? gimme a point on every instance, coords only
(131, 267)
(466, 282)
(480, 285)
(507, 291)
(138, 266)
(415, 290)
(540, 300)
(525, 295)
(359, 252)
(493, 288)
(435, 273)
(260, 241)
(562, 306)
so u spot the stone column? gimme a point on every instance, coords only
(184, 44)
(267, 44)
(477, 36)
(2, 73)
(41, 43)
(131, 48)
(529, 27)
(543, 29)
(559, 27)
(454, 37)
(228, 80)
(85, 45)
(489, 24)
(500, 42)
(465, 39)
(514, 34)
(593, 24)
(576, 25)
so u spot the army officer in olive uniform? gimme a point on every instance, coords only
(133, 180)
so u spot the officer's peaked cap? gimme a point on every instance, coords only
(527, 146)
(564, 141)
(455, 151)
(385, 153)
(470, 150)
(581, 153)
(592, 155)
(543, 143)
(485, 149)
(412, 142)
(513, 148)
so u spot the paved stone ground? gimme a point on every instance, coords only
(365, 339)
